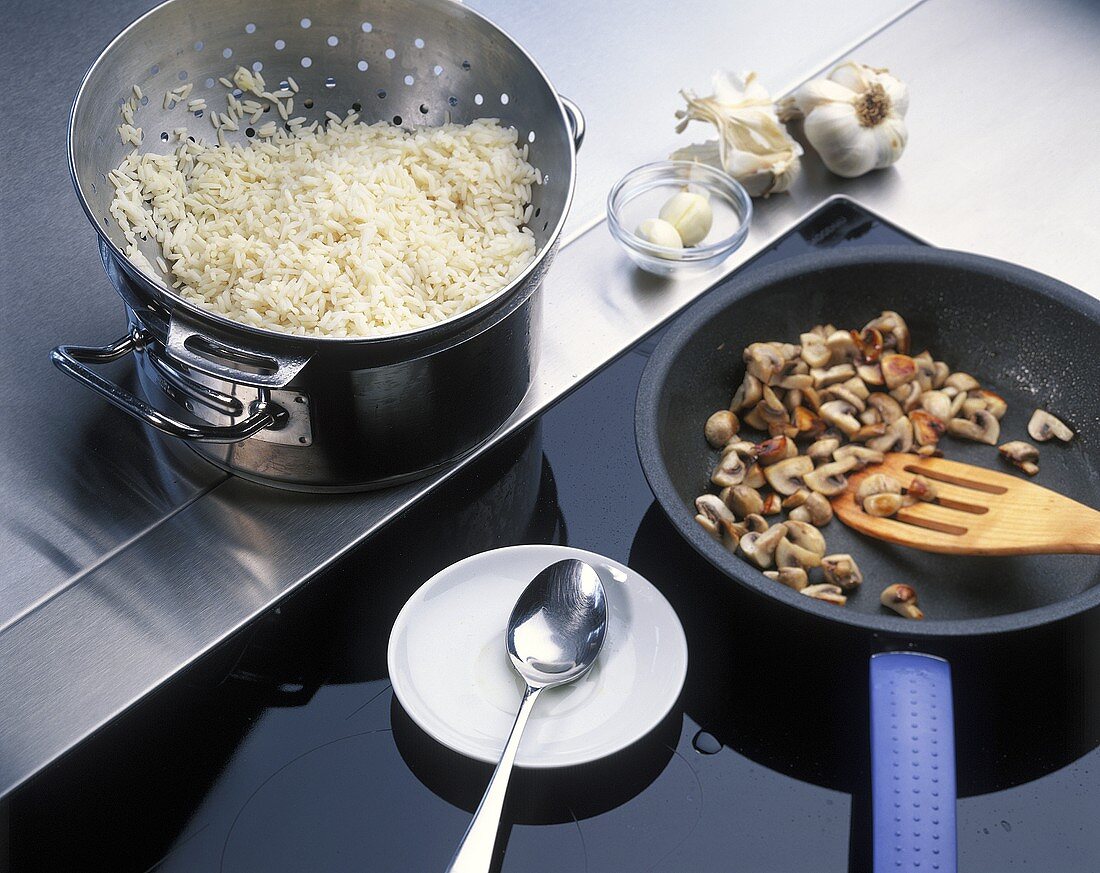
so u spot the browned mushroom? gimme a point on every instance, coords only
(730, 470)
(882, 505)
(823, 449)
(786, 476)
(795, 500)
(841, 570)
(877, 483)
(871, 374)
(1023, 455)
(829, 479)
(776, 449)
(927, 428)
(764, 361)
(898, 438)
(961, 382)
(921, 489)
(841, 415)
(895, 332)
(862, 454)
(748, 394)
(742, 500)
(936, 403)
(760, 547)
(886, 406)
(814, 350)
(898, 370)
(902, 599)
(842, 347)
(773, 505)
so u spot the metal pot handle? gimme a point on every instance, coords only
(576, 120)
(187, 344)
(71, 360)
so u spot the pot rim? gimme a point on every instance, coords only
(427, 333)
(649, 444)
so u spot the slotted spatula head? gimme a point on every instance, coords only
(977, 512)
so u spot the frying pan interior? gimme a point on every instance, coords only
(1031, 339)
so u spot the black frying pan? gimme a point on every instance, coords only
(1033, 340)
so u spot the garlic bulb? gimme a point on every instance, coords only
(854, 119)
(752, 145)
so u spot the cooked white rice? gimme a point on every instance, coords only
(343, 230)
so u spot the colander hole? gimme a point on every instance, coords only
(538, 212)
(280, 44)
(209, 83)
(284, 85)
(250, 131)
(409, 80)
(307, 62)
(531, 136)
(237, 92)
(144, 99)
(257, 67)
(305, 22)
(153, 70)
(545, 225)
(465, 65)
(333, 40)
(391, 54)
(105, 224)
(478, 99)
(182, 75)
(397, 119)
(198, 113)
(227, 53)
(437, 69)
(330, 82)
(308, 103)
(381, 94)
(504, 99)
(163, 138)
(93, 187)
(250, 28)
(418, 42)
(267, 107)
(362, 65)
(356, 106)
(367, 27)
(452, 100)
(200, 45)
(423, 108)
(546, 178)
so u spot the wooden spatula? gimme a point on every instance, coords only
(978, 512)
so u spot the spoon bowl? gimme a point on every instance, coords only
(557, 626)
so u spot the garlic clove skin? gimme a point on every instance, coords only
(660, 233)
(690, 214)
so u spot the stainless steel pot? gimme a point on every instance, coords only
(321, 413)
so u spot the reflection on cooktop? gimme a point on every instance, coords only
(286, 750)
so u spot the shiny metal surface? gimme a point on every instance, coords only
(555, 633)
(101, 529)
(375, 403)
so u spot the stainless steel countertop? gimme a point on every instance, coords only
(125, 557)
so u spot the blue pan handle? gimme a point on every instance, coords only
(912, 764)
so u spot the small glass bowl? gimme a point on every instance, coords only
(642, 192)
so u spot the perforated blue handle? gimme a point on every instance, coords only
(912, 764)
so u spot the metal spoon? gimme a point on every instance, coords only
(555, 632)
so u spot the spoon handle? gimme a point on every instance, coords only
(475, 852)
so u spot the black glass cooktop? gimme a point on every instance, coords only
(286, 750)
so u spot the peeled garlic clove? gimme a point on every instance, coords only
(690, 214)
(660, 233)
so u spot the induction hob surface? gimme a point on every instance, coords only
(286, 750)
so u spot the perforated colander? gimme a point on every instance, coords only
(409, 62)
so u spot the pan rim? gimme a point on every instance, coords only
(660, 482)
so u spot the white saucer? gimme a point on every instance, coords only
(468, 700)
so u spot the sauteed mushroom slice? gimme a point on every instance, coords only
(823, 378)
(720, 428)
(981, 426)
(825, 591)
(898, 370)
(755, 477)
(793, 501)
(882, 505)
(1043, 426)
(871, 374)
(814, 350)
(841, 415)
(756, 522)
(743, 501)
(842, 348)
(992, 401)
(887, 406)
(806, 536)
(877, 483)
(940, 372)
(816, 510)
(786, 475)
(862, 454)
(927, 428)
(902, 599)
(748, 394)
(962, 382)
(773, 505)
(908, 396)
(842, 571)
(921, 489)
(774, 450)
(823, 449)
(792, 577)
(898, 438)
(869, 432)
(829, 479)
(764, 361)
(760, 547)
(895, 332)
(717, 520)
(937, 403)
(730, 470)
(1021, 454)
(808, 425)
